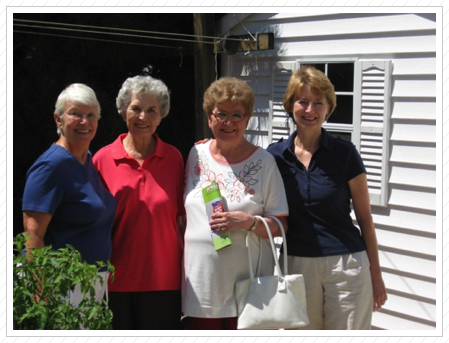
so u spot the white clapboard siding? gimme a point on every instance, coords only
(392, 320)
(413, 176)
(394, 130)
(413, 109)
(405, 220)
(410, 152)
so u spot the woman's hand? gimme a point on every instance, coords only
(205, 140)
(229, 221)
(379, 291)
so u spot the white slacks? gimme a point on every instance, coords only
(76, 296)
(338, 289)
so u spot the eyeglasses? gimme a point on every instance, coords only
(79, 116)
(236, 117)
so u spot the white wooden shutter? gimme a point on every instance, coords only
(372, 129)
(280, 124)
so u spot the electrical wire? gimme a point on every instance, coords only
(76, 28)
(120, 29)
(98, 39)
(109, 33)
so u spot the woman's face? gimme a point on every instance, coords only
(143, 115)
(228, 128)
(310, 109)
(78, 124)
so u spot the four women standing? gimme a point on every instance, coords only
(321, 175)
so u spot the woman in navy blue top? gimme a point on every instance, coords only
(321, 176)
(64, 201)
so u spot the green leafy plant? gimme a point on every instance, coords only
(42, 281)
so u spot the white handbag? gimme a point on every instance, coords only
(271, 302)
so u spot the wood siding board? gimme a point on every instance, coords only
(413, 153)
(420, 199)
(341, 26)
(392, 320)
(408, 88)
(401, 241)
(421, 267)
(413, 132)
(413, 176)
(413, 109)
(405, 220)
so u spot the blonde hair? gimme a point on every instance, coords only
(309, 76)
(229, 89)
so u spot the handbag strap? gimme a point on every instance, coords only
(273, 248)
(284, 243)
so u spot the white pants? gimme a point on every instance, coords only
(76, 296)
(338, 289)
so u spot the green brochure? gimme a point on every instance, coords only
(214, 203)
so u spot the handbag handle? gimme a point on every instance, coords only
(273, 248)
(284, 243)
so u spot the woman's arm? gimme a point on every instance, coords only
(182, 224)
(362, 209)
(35, 225)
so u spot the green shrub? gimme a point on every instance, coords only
(42, 281)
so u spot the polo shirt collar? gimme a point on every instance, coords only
(327, 141)
(118, 152)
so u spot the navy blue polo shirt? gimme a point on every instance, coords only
(319, 222)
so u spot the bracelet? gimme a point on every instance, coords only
(254, 226)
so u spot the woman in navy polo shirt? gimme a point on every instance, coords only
(321, 175)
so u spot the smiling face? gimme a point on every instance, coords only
(143, 115)
(78, 124)
(310, 109)
(228, 130)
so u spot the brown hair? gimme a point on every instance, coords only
(314, 78)
(229, 89)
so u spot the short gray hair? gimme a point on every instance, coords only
(143, 85)
(77, 93)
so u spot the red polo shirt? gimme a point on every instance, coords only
(146, 240)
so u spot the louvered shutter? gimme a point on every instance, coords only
(372, 133)
(281, 124)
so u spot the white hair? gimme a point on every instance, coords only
(76, 93)
(143, 85)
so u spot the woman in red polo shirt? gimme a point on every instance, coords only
(145, 175)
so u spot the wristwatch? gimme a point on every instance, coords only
(254, 227)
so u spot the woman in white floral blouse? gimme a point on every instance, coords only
(250, 184)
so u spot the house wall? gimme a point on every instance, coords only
(406, 227)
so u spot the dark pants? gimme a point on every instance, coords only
(212, 323)
(158, 310)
